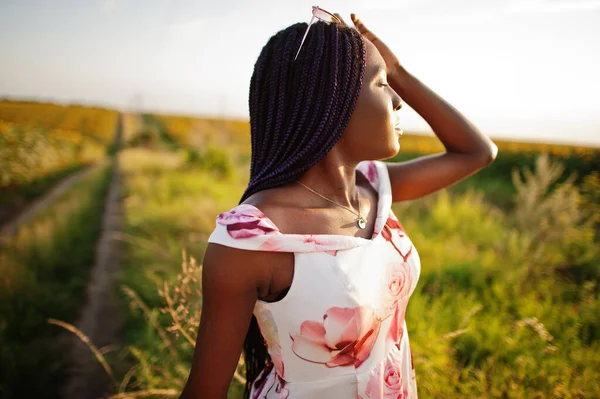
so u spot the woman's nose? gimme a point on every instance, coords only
(397, 101)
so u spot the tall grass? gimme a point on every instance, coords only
(15, 198)
(520, 286)
(43, 273)
(495, 181)
(170, 203)
(507, 303)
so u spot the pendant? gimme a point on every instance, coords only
(361, 223)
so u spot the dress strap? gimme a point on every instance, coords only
(372, 171)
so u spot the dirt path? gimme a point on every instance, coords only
(10, 228)
(99, 318)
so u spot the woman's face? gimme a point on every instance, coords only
(371, 133)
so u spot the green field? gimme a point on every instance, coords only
(506, 306)
(44, 271)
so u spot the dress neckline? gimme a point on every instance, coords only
(377, 176)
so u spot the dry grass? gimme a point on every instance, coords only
(183, 303)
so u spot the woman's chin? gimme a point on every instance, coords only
(392, 150)
(394, 146)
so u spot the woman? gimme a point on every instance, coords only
(311, 273)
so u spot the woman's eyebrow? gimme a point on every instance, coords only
(378, 70)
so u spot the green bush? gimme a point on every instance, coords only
(211, 159)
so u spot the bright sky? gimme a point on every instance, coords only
(525, 69)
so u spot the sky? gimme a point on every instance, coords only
(524, 70)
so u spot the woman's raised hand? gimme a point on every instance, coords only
(391, 61)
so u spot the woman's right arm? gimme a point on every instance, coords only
(231, 282)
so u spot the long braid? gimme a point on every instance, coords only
(280, 98)
(308, 73)
(255, 84)
(298, 111)
(322, 119)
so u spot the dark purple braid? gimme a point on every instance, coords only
(298, 111)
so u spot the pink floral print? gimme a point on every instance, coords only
(277, 358)
(333, 339)
(386, 380)
(392, 230)
(370, 171)
(268, 382)
(345, 337)
(270, 333)
(246, 221)
(397, 326)
(397, 283)
(312, 242)
(393, 224)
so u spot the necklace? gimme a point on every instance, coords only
(360, 221)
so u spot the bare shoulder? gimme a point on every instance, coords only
(233, 270)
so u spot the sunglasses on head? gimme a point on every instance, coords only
(324, 16)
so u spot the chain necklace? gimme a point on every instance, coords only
(360, 221)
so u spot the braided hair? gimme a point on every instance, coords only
(298, 111)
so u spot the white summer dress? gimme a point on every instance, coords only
(339, 332)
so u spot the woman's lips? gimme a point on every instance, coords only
(397, 127)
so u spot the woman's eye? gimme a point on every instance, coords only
(384, 84)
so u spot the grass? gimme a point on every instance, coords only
(170, 204)
(43, 273)
(507, 303)
(500, 310)
(495, 182)
(14, 198)
(504, 307)
(519, 335)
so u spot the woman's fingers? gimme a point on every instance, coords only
(363, 29)
(358, 23)
(390, 59)
(341, 19)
